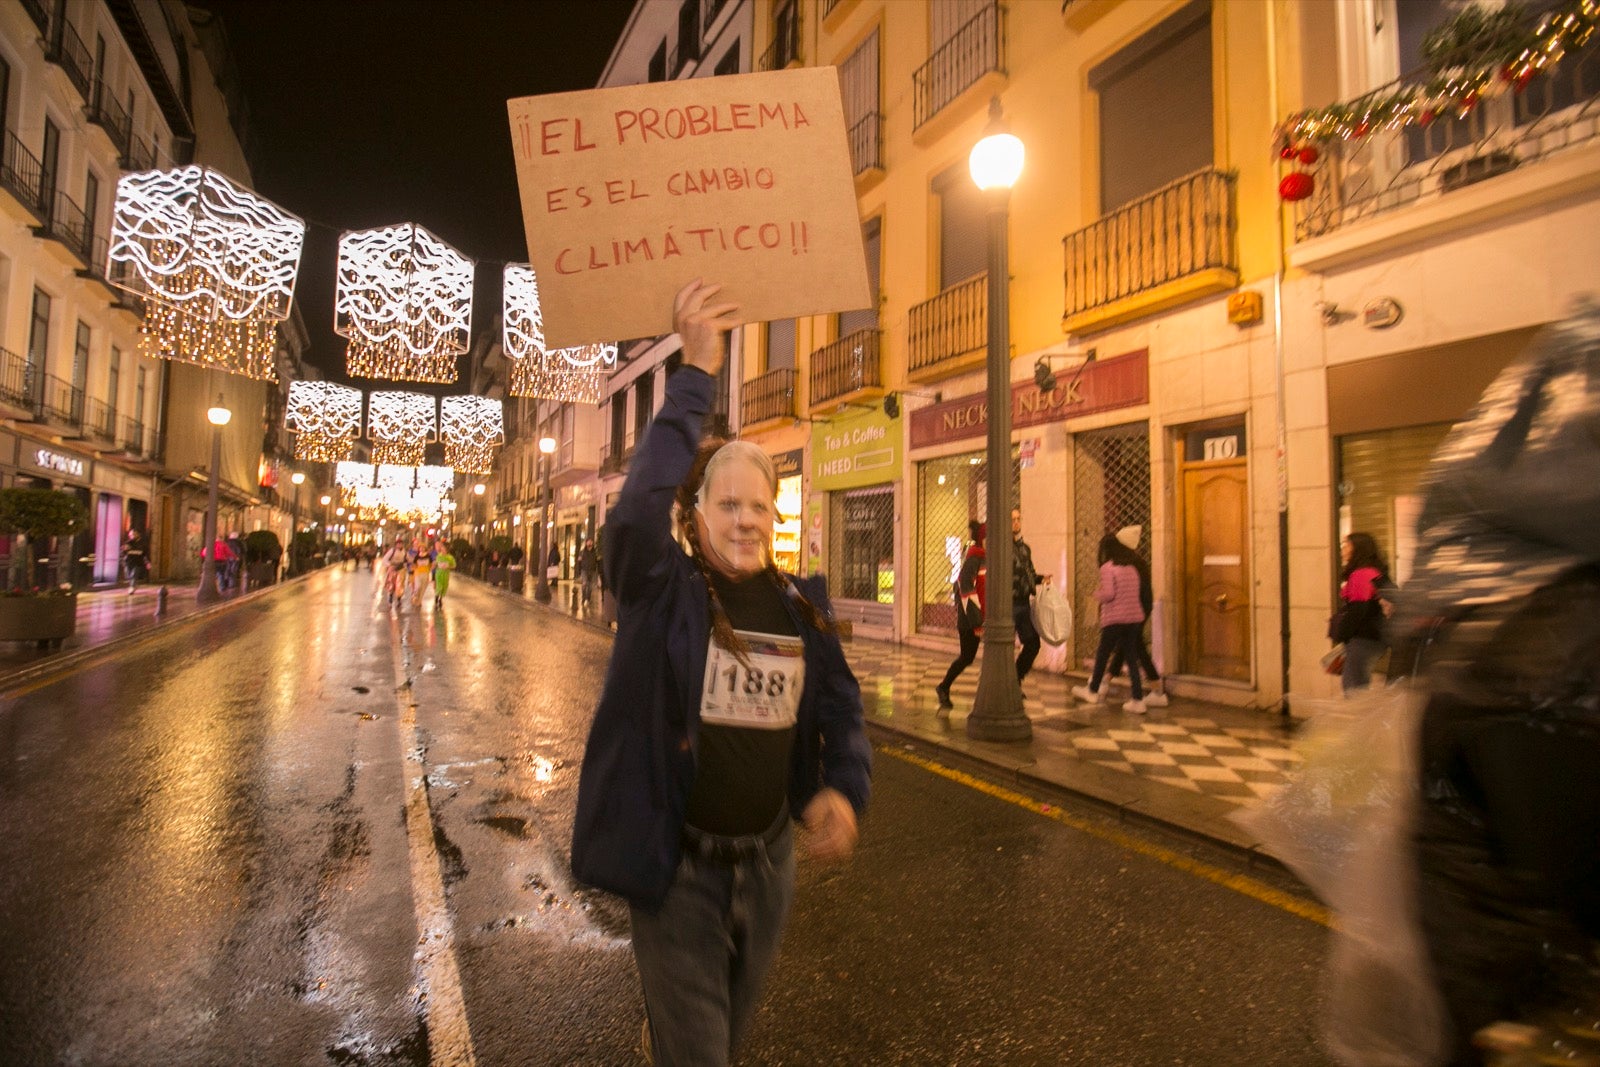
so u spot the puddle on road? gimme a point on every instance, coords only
(512, 825)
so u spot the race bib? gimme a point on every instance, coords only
(762, 696)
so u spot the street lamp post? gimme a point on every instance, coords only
(208, 593)
(477, 491)
(299, 479)
(541, 587)
(322, 545)
(996, 163)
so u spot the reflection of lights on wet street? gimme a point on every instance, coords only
(543, 769)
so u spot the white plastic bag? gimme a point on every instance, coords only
(1052, 615)
(1343, 824)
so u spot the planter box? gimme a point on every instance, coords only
(45, 619)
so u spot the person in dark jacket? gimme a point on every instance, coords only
(969, 611)
(728, 711)
(1025, 582)
(1359, 623)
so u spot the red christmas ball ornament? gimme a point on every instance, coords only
(1308, 155)
(1296, 186)
(1287, 151)
(1469, 102)
(1362, 129)
(1428, 116)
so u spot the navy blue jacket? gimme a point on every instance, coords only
(641, 756)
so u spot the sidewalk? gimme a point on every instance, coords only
(1186, 767)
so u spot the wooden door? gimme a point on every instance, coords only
(1216, 574)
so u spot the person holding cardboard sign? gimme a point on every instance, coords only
(728, 709)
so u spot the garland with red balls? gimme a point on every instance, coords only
(1478, 54)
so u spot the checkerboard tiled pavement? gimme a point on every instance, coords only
(1227, 756)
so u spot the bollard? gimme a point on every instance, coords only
(161, 601)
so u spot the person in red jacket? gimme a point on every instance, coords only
(970, 590)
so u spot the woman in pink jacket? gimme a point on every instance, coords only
(1121, 622)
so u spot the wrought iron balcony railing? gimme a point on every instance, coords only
(100, 421)
(1390, 169)
(20, 174)
(952, 325)
(141, 154)
(1181, 229)
(768, 396)
(105, 112)
(785, 46)
(40, 14)
(19, 380)
(65, 222)
(976, 49)
(68, 51)
(61, 402)
(131, 437)
(851, 363)
(866, 143)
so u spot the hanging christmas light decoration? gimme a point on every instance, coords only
(570, 375)
(436, 479)
(404, 300)
(214, 263)
(369, 499)
(400, 425)
(325, 419)
(394, 476)
(472, 430)
(350, 475)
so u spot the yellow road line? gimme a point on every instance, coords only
(1239, 883)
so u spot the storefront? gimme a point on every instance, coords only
(786, 530)
(856, 458)
(53, 467)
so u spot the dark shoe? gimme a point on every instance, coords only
(943, 692)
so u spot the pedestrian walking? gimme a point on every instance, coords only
(1121, 622)
(728, 710)
(1359, 622)
(587, 568)
(1155, 691)
(1025, 581)
(393, 564)
(421, 560)
(133, 557)
(969, 593)
(444, 562)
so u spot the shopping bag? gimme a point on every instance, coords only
(1052, 615)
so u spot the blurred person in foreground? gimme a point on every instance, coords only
(1502, 620)
(728, 711)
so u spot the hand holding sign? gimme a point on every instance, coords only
(703, 326)
(628, 192)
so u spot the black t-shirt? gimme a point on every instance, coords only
(742, 782)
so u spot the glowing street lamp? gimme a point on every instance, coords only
(208, 593)
(996, 163)
(299, 479)
(541, 588)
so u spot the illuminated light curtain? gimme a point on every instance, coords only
(571, 375)
(325, 419)
(399, 426)
(214, 262)
(349, 475)
(393, 476)
(439, 480)
(473, 430)
(404, 301)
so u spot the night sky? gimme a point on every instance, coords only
(363, 113)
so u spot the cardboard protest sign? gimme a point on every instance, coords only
(629, 193)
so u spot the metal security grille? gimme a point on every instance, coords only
(950, 491)
(861, 544)
(1111, 489)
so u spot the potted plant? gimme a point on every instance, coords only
(33, 608)
(262, 550)
(499, 548)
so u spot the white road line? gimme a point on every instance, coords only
(440, 997)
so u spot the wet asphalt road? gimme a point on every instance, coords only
(207, 859)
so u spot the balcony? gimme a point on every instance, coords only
(1512, 153)
(131, 437)
(67, 51)
(950, 333)
(100, 422)
(1172, 246)
(141, 154)
(973, 52)
(866, 144)
(111, 117)
(785, 46)
(19, 181)
(847, 369)
(60, 405)
(66, 225)
(768, 396)
(96, 271)
(18, 383)
(40, 14)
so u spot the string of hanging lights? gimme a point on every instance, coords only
(570, 375)
(473, 429)
(403, 300)
(399, 426)
(325, 418)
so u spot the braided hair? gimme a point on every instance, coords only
(687, 496)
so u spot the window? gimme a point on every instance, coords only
(1155, 108)
(947, 17)
(138, 395)
(861, 544)
(644, 405)
(619, 423)
(5, 93)
(858, 85)
(963, 232)
(49, 160)
(867, 318)
(39, 334)
(729, 63)
(780, 345)
(80, 358)
(114, 383)
(91, 203)
(658, 65)
(688, 34)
